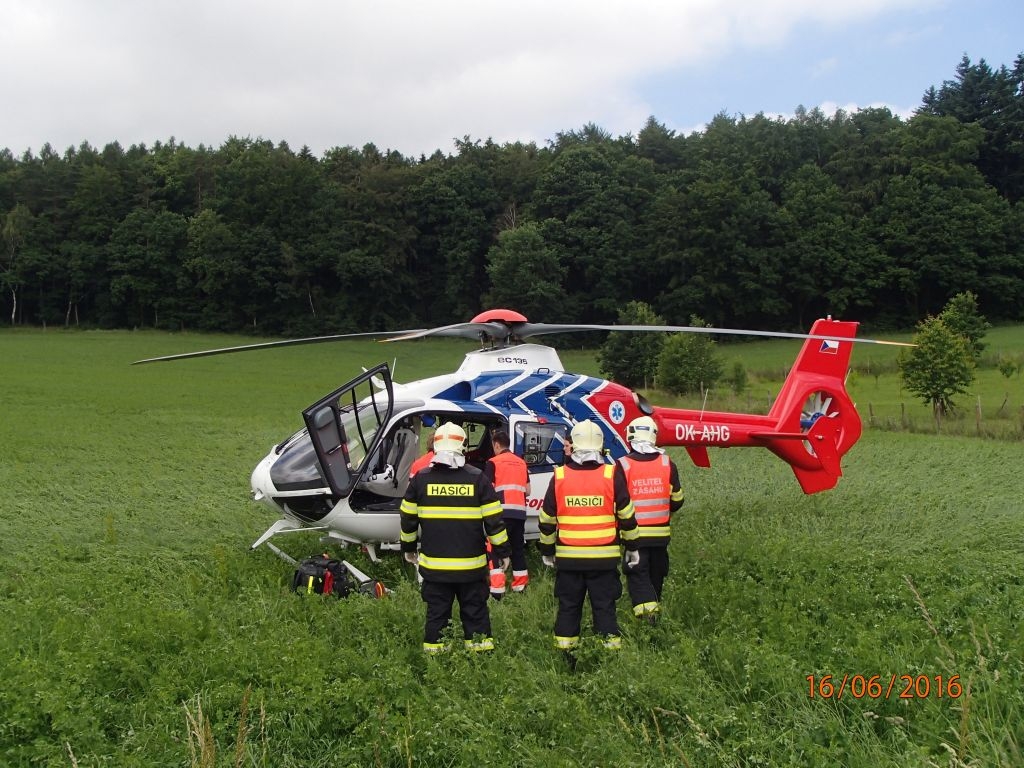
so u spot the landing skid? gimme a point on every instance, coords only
(287, 526)
(281, 526)
(370, 548)
(283, 555)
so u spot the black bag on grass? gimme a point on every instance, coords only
(323, 575)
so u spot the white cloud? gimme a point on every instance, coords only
(407, 76)
(905, 113)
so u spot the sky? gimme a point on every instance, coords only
(414, 76)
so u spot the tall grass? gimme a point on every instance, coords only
(139, 630)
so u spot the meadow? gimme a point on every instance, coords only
(137, 629)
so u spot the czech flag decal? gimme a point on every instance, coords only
(829, 347)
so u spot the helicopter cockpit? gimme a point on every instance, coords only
(385, 476)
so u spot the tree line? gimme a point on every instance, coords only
(753, 222)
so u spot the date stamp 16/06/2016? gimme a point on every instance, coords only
(884, 686)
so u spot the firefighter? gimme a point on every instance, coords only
(654, 487)
(508, 473)
(452, 511)
(585, 514)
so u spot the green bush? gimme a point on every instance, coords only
(688, 362)
(631, 358)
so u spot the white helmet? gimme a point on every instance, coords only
(586, 436)
(450, 437)
(642, 429)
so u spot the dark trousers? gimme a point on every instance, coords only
(439, 597)
(571, 587)
(645, 580)
(517, 543)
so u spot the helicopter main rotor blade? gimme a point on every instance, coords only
(465, 330)
(525, 330)
(505, 332)
(270, 345)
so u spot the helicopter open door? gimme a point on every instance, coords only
(346, 427)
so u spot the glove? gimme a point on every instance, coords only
(632, 558)
(410, 557)
(548, 560)
(506, 563)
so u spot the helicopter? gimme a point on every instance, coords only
(345, 471)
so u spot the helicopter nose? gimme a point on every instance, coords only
(261, 484)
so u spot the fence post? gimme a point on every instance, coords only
(977, 416)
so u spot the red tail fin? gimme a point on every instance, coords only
(816, 422)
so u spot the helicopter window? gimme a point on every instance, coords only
(360, 424)
(476, 436)
(387, 472)
(541, 444)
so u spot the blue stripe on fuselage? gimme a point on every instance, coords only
(491, 389)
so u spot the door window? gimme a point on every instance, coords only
(345, 426)
(541, 445)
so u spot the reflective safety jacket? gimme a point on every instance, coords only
(656, 493)
(508, 472)
(586, 511)
(452, 513)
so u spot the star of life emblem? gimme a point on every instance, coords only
(616, 412)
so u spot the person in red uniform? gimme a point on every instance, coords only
(654, 487)
(421, 463)
(508, 473)
(451, 510)
(586, 513)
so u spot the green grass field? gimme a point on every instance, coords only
(138, 629)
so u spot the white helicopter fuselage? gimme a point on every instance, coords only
(523, 390)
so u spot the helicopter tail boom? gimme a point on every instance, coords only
(810, 426)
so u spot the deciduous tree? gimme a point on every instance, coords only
(525, 274)
(688, 362)
(15, 228)
(939, 367)
(631, 358)
(962, 317)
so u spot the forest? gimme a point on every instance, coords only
(755, 222)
